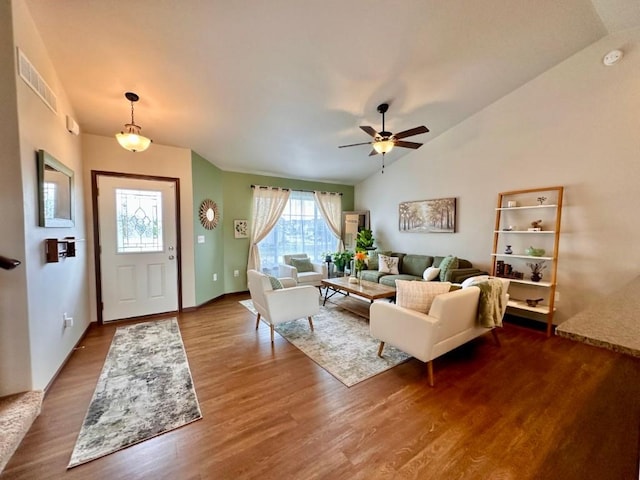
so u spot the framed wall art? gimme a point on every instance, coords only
(240, 229)
(428, 216)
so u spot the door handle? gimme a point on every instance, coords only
(171, 257)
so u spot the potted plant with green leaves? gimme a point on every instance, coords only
(364, 240)
(342, 259)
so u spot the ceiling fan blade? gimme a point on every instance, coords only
(369, 130)
(411, 131)
(373, 152)
(354, 144)
(413, 145)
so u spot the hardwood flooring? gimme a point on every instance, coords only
(535, 408)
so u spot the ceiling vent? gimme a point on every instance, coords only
(32, 78)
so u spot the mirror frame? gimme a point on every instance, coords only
(44, 160)
(363, 222)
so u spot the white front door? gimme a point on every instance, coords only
(138, 254)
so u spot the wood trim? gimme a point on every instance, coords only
(96, 230)
(68, 357)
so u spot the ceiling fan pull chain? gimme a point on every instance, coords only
(383, 158)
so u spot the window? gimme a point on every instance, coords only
(139, 221)
(301, 229)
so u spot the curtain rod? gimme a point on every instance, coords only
(296, 190)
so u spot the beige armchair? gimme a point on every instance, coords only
(281, 305)
(300, 267)
(452, 321)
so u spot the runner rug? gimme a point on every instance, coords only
(340, 343)
(145, 389)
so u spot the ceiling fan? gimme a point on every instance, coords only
(383, 141)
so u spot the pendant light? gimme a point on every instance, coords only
(131, 139)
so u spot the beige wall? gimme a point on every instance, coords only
(105, 154)
(575, 125)
(52, 288)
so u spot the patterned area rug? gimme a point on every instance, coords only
(145, 389)
(341, 344)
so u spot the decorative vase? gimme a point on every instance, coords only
(508, 250)
(536, 277)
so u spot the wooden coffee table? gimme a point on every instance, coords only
(365, 290)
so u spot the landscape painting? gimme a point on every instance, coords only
(428, 216)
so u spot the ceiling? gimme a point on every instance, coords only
(273, 87)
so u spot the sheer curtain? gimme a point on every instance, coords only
(330, 205)
(268, 204)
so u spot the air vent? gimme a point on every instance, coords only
(32, 78)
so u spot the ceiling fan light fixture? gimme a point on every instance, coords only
(383, 146)
(131, 139)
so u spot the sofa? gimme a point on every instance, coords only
(412, 267)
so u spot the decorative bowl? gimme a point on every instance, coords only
(534, 252)
(534, 302)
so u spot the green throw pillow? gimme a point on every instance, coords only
(302, 264)
(447, 263)
(275, 283)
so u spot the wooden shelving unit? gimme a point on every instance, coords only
(515, 212)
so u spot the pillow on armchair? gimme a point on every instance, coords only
(302, 264)
(419, 296)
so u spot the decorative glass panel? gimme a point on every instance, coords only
(139, 221)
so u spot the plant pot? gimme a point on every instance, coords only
(536, 277)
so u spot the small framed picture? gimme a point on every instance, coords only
(240, 229)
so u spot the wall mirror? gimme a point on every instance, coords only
(352, 223)
(55, 192)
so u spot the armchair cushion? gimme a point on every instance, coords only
(419, 296)
(302, 264)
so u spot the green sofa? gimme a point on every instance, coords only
(411, 267)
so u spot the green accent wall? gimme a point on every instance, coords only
(208, 256)
(237, 200)
(222, 253)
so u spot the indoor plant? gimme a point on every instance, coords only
(341, 259)
(364, 240)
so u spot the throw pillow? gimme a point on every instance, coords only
(448, 263)
(431, 273)
(419, 296)
(471, 280)
(275, 283)
(302, 264)
(388, 264)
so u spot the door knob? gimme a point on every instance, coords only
(171, 257)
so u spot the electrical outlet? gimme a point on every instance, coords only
(215, 277)
(236, 273)
(556, 297)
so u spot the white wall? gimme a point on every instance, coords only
(576, 125)
(55, 288)
(15, 363)
(105, 154)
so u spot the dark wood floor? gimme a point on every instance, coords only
(535, 408)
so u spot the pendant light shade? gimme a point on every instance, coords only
(131, 139)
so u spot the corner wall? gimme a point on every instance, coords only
(575, 125)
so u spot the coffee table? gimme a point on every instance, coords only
(366, 290)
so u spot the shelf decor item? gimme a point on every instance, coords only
(535, 252)
(508, 250)
(536, 270)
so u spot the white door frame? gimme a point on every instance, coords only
(96, 230)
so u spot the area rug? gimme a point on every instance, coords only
(340, 343)
(145, 389)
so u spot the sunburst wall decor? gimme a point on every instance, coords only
(209, 214)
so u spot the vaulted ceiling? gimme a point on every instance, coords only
(273, 87)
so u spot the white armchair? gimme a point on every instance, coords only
(452, 321)
(281, 305)
(314, 274)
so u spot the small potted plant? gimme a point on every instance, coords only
(536, 270)
(342, 259)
